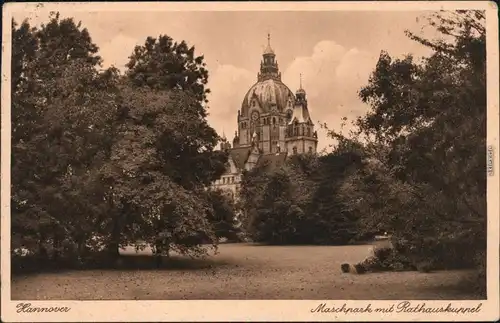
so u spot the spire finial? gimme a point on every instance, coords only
(268, 49)
(300, 80)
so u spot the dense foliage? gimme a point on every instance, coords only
(414, 166)
(428, 124)
(299, 202)
(223, 217)
(101, 160)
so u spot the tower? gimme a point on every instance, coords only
(300, 135)
(265, 107)
(273, 123)
(268, 109)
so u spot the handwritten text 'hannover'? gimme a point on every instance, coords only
(27, 308)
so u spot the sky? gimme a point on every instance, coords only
(335, 51)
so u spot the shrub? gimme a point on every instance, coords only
(385, 259)
(345, 268)
(358, 269)
(382, 254)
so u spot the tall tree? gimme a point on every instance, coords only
(164, 65)
(428, 119)
(24, 119)
(156, 203)
(333, 223)
(165, 100)
(61, 107)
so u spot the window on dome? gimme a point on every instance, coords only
(274, 120)
(294, 150)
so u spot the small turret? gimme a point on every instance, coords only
(301, 93)
(236, 140)
(224, 145)
(300, 135)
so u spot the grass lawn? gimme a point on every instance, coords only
(245, 271)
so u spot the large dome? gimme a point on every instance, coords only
(267, 94)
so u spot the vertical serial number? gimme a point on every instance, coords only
(489, 160)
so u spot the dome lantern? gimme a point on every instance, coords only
(269, 66)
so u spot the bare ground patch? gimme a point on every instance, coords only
(242, 271)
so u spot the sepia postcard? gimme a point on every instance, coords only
(250, 161)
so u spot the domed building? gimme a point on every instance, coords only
(273, 123)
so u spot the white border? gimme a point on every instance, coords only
(246, 310)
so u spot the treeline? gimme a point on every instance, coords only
(102, 159)
(301, 202)
(413, 167)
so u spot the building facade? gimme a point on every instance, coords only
(273, 123)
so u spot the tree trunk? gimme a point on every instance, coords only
(112, 254)
(114, 243)
(158, 254)
(112, 249)
(42, 251)
(42, 254)
(56, 244)
(82, 251)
